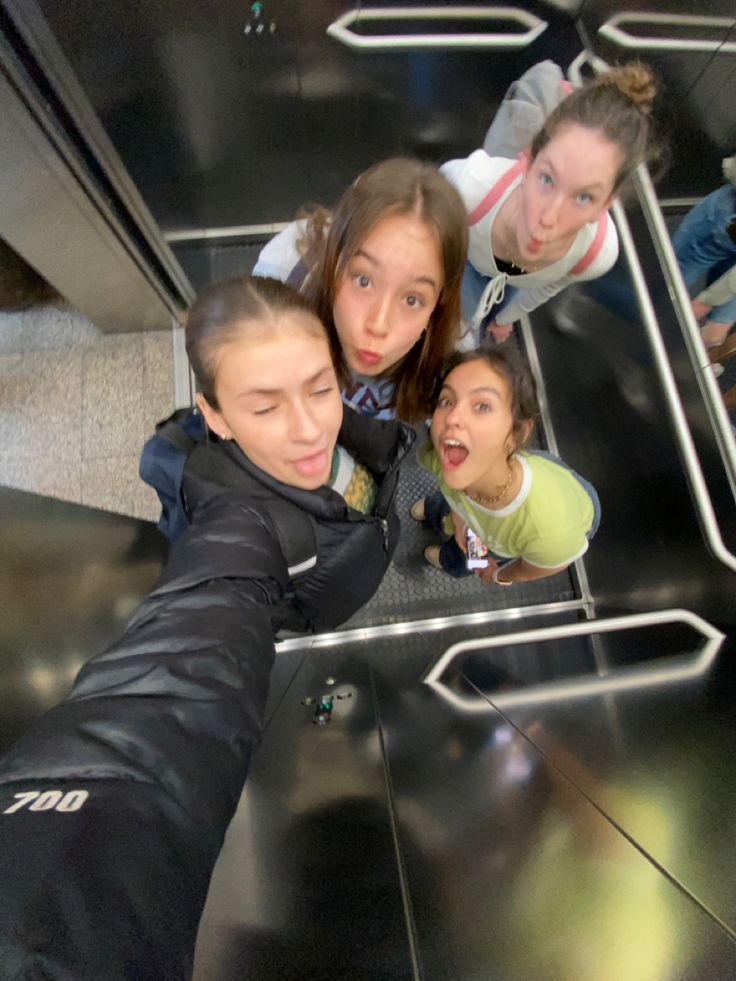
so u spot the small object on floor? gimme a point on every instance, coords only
(416, 511)
(432, 556)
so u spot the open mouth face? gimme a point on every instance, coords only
(453, 453)
(471, 427)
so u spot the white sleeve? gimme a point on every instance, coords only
(473, 176)
(454, 170)
(721, 290)
(278, 257)
(531, 297)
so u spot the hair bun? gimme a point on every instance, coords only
(636, 82)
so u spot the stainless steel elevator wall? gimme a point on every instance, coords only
(71, 577)
(555, 814)
(409, 838)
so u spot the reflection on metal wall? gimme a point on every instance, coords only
(70, 577)
(599, 366)
(67, 208)
(693, 52)
(223, 128)
(238, 119)
(413, 838)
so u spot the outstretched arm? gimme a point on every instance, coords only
(113, 807)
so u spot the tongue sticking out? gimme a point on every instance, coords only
(455, 455)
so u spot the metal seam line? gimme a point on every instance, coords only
(535, 364)
(406, 902)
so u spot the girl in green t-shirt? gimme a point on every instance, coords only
(534, 514)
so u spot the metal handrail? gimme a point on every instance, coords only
(227, 231)
(585, 57)
(693, 470)
(677, 669)
(340, 29)
(671, 271)
(612, 31)
(681, 301)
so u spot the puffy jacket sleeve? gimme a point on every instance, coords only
(113, 807)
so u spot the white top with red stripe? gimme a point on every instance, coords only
(484, 184)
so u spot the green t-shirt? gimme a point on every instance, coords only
(546, 523)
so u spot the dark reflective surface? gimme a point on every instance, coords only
(695, 107)
(307, 885)
(218, 128)
(70, 577)
(528, 838)
(649, 552)
(658, 762)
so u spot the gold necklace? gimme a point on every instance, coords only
(485, 501)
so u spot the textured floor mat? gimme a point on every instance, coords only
(412, 590)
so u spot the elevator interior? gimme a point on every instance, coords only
(557, 802)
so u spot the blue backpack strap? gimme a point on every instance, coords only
(162, 464)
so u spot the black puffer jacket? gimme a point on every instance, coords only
(354, 550)
(113, 807)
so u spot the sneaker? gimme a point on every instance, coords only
(717, 369)
(432, 556)
(416, 511)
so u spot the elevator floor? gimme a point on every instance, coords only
(517, 832)
(412, 590)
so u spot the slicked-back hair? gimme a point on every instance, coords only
(225, 311)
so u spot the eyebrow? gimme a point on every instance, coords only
(275, 391)
(361, 253)
(588, 187)
(477, 391)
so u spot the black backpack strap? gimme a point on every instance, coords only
(295, 528)
(171, 431)
(297, 535)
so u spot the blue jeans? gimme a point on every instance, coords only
(472, 290)
(452, 557)
(705, 250)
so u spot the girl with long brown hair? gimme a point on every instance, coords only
(383, 272)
